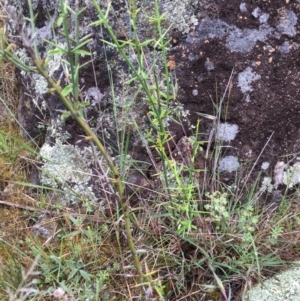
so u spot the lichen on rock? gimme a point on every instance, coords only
(68, 167)
(227, 132)
(228, 163)
(180, 14)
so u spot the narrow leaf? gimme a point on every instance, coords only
(67, 90)
(65, 116)
(85, 275)
(81, 51)
(85, 104)
(59, 21)
(56, 51)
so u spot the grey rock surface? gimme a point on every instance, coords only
(282, 287)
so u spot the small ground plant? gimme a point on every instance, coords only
(192, 237)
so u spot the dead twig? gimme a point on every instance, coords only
(93, 218)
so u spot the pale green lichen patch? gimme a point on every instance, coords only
(282, 287)
(40, 84)
(179, 14)
(68, 166)
(53, 64)
(56, 130)
(54, 61)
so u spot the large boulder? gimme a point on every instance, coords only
(242, 62)
(236, 61)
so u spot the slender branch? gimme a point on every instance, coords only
(54, 87)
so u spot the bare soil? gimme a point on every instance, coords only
(274, 104)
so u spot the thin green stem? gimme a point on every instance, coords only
(31, 20)
(75, 114)
(116, 181)
(164, 50)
